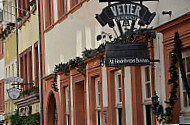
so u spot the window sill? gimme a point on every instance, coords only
(185, 111)
(48, 28)
(61, 18)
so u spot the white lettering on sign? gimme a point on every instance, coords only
(126, 9)
(128, 61)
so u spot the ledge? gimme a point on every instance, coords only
(25, 101)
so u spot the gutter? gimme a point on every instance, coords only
(187, 13)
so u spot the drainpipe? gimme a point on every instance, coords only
(16, 26)
(40, 67)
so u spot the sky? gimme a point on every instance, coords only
(1, 5)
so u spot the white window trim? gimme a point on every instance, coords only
(117, 102)
(144, 84)
(146, 101)
(184, 110)
(97, 94)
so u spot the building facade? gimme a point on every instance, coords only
(10, 56)
(2, 76)
(76, 89)
(111, 96)
(27, 42)
(28, 35)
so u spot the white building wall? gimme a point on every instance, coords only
(2, 64)
(79, 30)
(178, 8)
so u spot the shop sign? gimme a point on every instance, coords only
(124, 0)
(14, 93)
(13, 79)
(127, 54)
(125, 11)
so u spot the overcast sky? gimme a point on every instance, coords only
(1, 5)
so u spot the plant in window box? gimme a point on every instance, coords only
(2, 36)
(31, 90)
(19, 19)
(8, 29)
(23, 15)
(11, 25)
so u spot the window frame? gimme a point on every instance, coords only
(118, 96)
(98, 100)
(118, 89)
(146, 101)
(49, 19)
(67, 105)
(144, 83)
(185, 54)
(62, 8)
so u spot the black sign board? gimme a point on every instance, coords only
(125, 11)
(127, 54)
(124, 0)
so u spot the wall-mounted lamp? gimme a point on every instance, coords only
(155, 101)
(167, 12)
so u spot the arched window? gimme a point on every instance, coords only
(52, 117)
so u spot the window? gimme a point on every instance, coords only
(146, 81)
(118, 95)
(26, 67)
(36, 61)
(97, 90)
(67, 105)
(48, 13)
(2, 97)
(23, 5)
(74, 3)
(55, 115)
(13, 69)
(62, 7)
(185, 98)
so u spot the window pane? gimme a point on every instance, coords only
(147, 74)
(184, 64)
(98, 99)
(148, 91)
(119, 81)
(99, 121)
(120, 97)
(188, 64)
(188, 79)
(185, 99)
(148, 115)
(120, 116)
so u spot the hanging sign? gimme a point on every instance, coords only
(125, 11)
(14, 93)
(127, 54)
(13, 79)
(124, 0)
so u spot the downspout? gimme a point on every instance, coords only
(40, 67)
(16, 26)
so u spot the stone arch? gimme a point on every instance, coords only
(52, 114)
